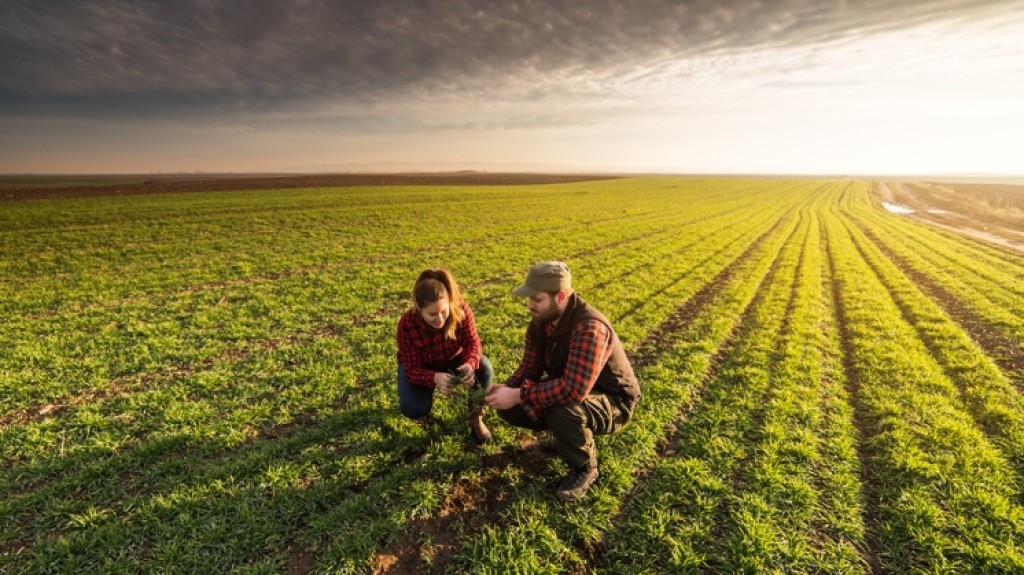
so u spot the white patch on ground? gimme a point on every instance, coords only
(1006, 238)
(897, 209)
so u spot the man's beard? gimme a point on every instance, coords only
(549, 316)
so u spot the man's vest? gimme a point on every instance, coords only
(616, 377)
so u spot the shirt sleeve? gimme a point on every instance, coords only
(469, 338)
(409, 356)
(589, 350)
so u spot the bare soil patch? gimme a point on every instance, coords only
(129, 185)
(988, 212)
(427, 545)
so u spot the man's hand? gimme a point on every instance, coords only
(502, 397)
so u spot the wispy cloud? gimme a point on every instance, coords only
(354, 76)
(136, 58)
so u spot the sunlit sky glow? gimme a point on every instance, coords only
(789, 86)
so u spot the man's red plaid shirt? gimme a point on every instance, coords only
(590, 346)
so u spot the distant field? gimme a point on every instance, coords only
(32, 181)
(1002, 202)
(39, 187)
(204, 383)
(10, 182)
(993, 212)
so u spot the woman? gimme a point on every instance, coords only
(437, 339)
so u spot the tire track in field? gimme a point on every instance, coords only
(403, 551)
(836, 413)
(675, 430)
(871, 514)
(953, 361)
(1004, 351)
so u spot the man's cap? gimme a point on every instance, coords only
(549, 276)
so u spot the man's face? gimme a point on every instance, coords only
(544, 308)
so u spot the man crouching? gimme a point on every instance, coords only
(574, 379)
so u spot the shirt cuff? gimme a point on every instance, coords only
(526, 407)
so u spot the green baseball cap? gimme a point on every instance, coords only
(548, 276)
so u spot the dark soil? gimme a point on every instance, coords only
(164, 185)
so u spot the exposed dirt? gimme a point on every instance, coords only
(300, 561)
(183, 184)
(978, 224)
(427, 545)
(660, 342)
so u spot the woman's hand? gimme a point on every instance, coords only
(467, 375)
(443, 381)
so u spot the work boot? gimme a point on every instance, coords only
(476, 425)
(577, 483)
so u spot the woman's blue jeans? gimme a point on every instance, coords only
(415, 401)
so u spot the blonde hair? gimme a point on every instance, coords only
(432, 286)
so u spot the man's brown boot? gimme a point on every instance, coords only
(577, 482)
(476, 425)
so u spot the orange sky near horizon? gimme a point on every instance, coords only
(798, 89)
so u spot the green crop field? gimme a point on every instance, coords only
(205, 383)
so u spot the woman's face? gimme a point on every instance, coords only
(435, 314)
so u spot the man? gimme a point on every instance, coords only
(574, 379)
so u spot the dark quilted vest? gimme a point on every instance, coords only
(616, 378)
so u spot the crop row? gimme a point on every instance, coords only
(159, 248)
(758, 476)
(977, 285)
(163, 332)
(808, 407)
(944, 495)
(95, 434)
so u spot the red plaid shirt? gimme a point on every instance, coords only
(590, 346)
(423, 350)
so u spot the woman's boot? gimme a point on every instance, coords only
(476, 423)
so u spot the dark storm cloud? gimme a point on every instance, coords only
(163, 58)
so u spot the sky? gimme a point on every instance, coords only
(691, 86)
